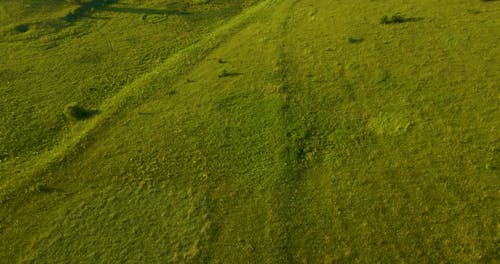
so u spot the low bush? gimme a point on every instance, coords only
(74, 111)
(22, 28)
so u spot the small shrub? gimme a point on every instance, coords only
(22, 28)
(385, 20)
(74, 111)
(36, 188)
(398, 18)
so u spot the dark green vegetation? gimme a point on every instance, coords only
(248, 131)
(74, 111)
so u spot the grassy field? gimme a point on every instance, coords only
(249, 131)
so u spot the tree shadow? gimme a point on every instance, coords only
(86, 10)
(145, 11)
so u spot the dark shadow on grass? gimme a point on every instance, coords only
(355, 40)
(398, 19)
(226, 74)
(86, 10)
(144, 11)
(46, 189)
(99, 17)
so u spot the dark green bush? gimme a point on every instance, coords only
(22, 28)
(74, 111)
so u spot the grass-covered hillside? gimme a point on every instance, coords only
(249, 131)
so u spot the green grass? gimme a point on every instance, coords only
(249, 132)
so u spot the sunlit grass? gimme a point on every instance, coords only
(249, 131)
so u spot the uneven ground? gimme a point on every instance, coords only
(247, 131)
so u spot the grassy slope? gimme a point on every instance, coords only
(320, 150)
(87, 61)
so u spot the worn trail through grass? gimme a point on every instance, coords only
(169, 71)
